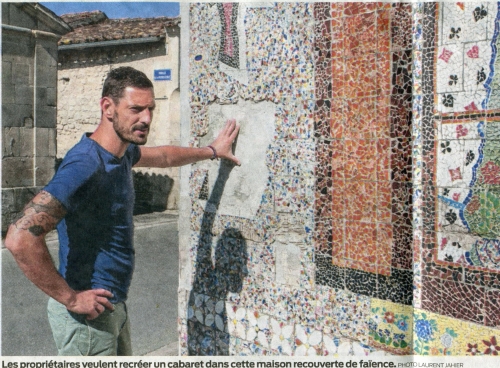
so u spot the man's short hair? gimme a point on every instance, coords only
(120, 78)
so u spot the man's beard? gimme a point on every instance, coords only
(128, 135)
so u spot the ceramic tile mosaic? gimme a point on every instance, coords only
(229, 50)
(460, 241)
(366, 145)
(391, 326)
(380, 180)
(435, 334)
(339, 346)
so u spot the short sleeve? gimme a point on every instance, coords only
(73, 180)
(135, 153)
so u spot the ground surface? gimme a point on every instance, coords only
(152, 300)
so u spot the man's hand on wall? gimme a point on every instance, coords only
(223, 144)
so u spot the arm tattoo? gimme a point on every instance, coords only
(40, 215)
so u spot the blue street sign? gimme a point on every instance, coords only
(163, 74)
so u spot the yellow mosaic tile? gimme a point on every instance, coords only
(390, 326)
(440, 335)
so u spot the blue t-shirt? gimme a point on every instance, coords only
(96, 235)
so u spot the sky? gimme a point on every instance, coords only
(117, 9)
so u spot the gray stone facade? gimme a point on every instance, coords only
(29, 84)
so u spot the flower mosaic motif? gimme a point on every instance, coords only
(454, 33)
(471, 107)
(424, 332)
(480, 13)
(472, 349)
(445, 147)
(390, 329)
(424, 329)
(455, 174)
(481, 76)
(281, 337)
(258, 329)
(446, 55)
(492, 347)
(469, 158)
(461, 132)
(490, 173)
(236, 321)
(308, 341)
(473, 53)
(330, 345)
(448, 100)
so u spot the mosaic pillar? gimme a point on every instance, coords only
(364, 188)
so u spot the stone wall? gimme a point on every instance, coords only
(81, 74)
(363, 217)
(29, 85)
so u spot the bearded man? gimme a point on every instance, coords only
(90, 200)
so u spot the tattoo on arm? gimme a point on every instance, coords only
(40, 215)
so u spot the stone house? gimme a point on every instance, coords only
(94, 47)
(29, 83)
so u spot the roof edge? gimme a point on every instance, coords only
(46, 16)
(126, 41)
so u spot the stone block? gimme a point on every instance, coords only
(42, 142)
(5, 13)
(41, 96)
(45, 169)
(46, 96)
(46, 117)
(11, 142)
(46, 53)
(26, 135)
(52, 142)
(13, 202)
(8, 208)
(24, 94)
(21, 73)
(8, 93)
(28, 122)
(17, 172)
(24, 195)
(46, 76)
(51, 96)
(6, 73)
(7, 219)
(19, 18)
(8, 200)
(14, 115)
(17, 45)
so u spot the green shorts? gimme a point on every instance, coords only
(108, 334)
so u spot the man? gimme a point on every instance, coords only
(90, 200)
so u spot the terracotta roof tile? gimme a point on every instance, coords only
(75, 20)
(95, 27)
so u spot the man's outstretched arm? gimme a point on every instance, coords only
(171, 156)
(26, 241)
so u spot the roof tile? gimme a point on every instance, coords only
(95, 26)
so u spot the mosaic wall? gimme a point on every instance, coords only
(460, 251)
(363, 121)
(376, 231)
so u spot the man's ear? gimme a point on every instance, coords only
(107, 107)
